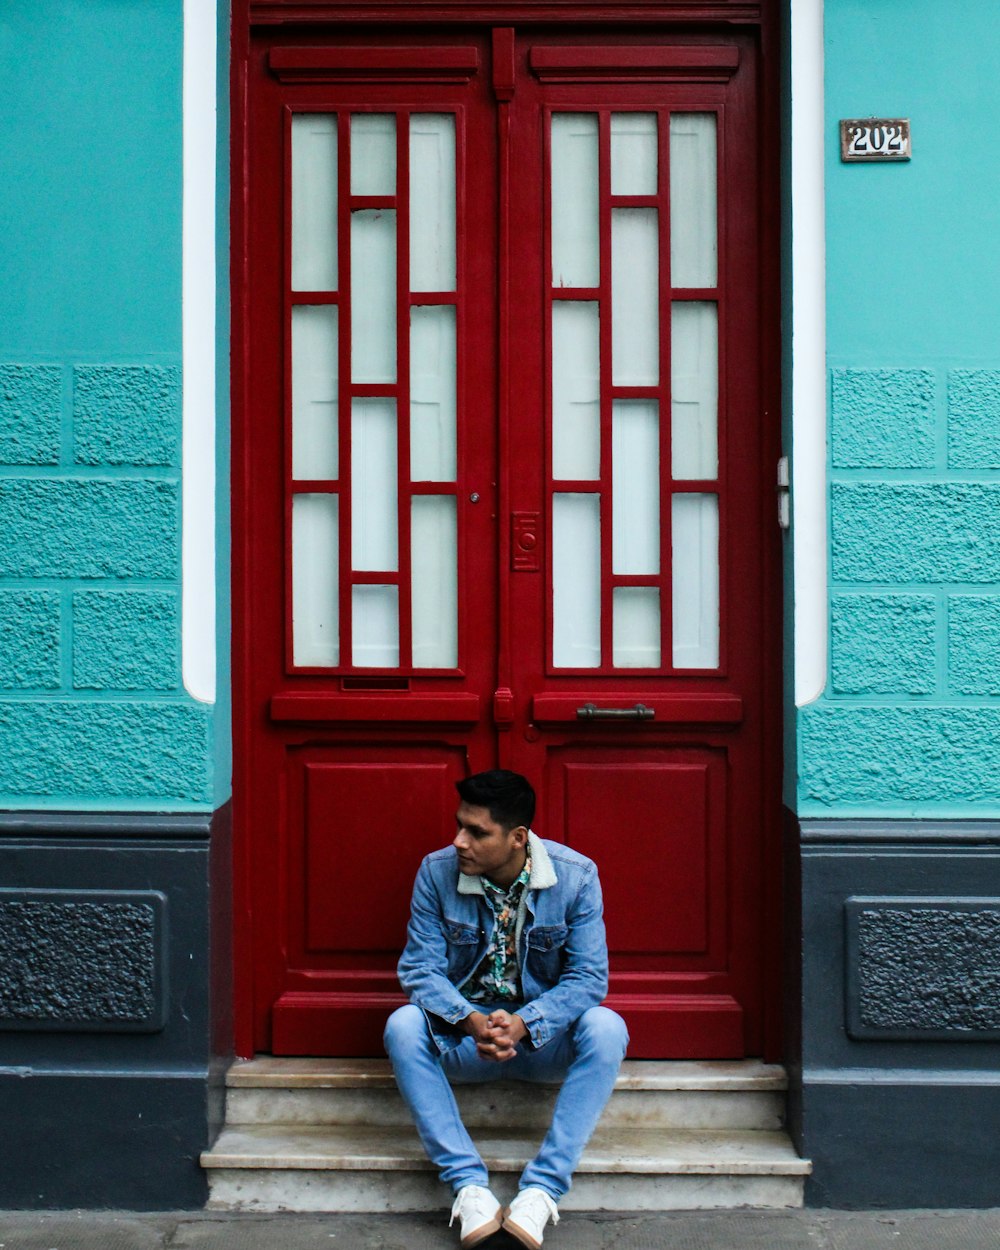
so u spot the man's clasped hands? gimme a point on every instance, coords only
(496, 1035)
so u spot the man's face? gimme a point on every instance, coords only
(486, 848)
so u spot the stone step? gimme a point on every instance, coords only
(650, 1095)
(354, 1168)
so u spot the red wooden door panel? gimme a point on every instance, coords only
(654, 762)
(480, 524)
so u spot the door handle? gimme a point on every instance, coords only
(590, 711)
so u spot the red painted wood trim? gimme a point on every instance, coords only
(607, 396)
(519, 12)
(700, 1027)
(503, 63)
(404, 507)
(326, 64)
(503, 46)
(685, 709)
(243, 962)
(680, 63)
(350, 1024)
(323, 1000)
(395, 708)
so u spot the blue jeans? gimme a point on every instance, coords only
(585, 1057)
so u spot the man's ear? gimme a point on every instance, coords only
(520, 835)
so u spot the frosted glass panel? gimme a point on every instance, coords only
(375, 626)
(696, 581)
(576, 398)
(373, 154)
(633, 154)
(434, 600)
(575, 234)
(636, 627)
(374, 544)
(314, 202)
(432, 202)
(314, 391)
(635, 477)
(432, 393)
(693, 230)
(373, 295)
(315, 613)
(576, 581)
(635, 301)
(694, 390)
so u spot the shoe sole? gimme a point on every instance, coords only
(483, 1231)
(517, 1231)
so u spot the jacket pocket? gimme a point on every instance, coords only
(546, 952)
(463, 941)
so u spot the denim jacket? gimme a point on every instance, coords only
(561, 943)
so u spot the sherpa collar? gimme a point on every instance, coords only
(543, 875)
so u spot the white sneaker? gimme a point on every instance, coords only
(528, 1214)
(479, 1212)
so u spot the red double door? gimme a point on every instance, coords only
(504, 492)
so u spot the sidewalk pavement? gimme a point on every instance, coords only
(683, 1230)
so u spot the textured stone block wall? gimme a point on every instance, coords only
(911, 717)
(91, 704)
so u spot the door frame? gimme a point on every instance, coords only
(250, 16)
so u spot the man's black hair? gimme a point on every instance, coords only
(507, 796)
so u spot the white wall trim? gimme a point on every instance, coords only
(198, 344)
(808, 295)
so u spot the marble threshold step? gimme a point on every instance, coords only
(648, 1094)
(351, 1168)
(333, 1135)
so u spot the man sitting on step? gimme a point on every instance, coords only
(505, 964)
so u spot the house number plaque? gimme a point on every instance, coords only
(875, 139)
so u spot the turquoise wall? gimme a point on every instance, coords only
(910, 720)
(92, 710)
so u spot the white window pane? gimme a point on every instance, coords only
(433, 363)
(314, 202)
(636, 627)
(373, 154)
(315, 613)
(576, 581)
(694, 390)
(635, 477)
(432, 202)
(693, 229)
(575, 232)
(375, 626)
(635, 297)
(576, 396)
(434, 535)
(373, 295)
(314, 391)
(374, 540)
(634, 160)
(696, 581)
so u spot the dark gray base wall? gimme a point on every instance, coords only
(115, 975)
(894, 1011)
(113, 1141)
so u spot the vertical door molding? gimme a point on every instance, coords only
(503, 88)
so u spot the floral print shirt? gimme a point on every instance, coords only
(498, 976)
